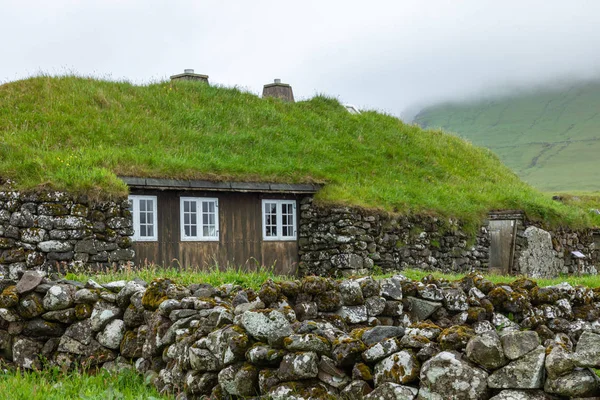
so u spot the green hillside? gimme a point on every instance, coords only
(550, 137)
(78, 134)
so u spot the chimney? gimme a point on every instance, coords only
(279, 90)
(189, 75)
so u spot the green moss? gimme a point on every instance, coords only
(83, 311)
(456, 337)
(363, 371)
(9, 297)
(156, 293)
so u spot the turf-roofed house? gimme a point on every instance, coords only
(184, 173)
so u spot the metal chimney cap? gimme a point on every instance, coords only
(277, 80)
(188, 71)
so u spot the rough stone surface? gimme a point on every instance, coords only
(587, 352)
(401, 368)
(539, 260)
(524, 373)
(579, 383)
(446, 376)
(485, 349)
(518, 343)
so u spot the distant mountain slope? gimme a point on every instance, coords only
(550, 137)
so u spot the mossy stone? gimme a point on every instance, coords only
(9, 297)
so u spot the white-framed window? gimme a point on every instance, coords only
(199, 218)
(143, 210)
(279, 219)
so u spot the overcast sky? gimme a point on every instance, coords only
(387, 55)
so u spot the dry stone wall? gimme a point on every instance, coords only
(316, 338)
(346, 241)
(53, 231)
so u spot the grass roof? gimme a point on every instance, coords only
(78, 134)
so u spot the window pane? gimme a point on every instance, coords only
(194, 219)
(186, 206)
(193, 206)
(194, 231)
(142, 218)
(142, 205)
(150, 230)
(143, 231)
(211, 219)
(204, 219)
(186, 219)
(186, 230)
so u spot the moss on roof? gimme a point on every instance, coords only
(78, 134)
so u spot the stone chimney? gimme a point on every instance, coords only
(279, 90)
(189, 75)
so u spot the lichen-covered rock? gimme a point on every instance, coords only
(125, 293)
(579, 383)
(354, 314)
(59, 297)
(200, 383)
(401, 368)
(356, 390)
(301, 365)
(518, 343)
(26, 353)
(30, 305)
(524, 373)
(538, 260)
(203, 360)
(522, 395)
(112, 334)
(455, 338)
(307, 342)
(331, 375)
(375, 305)
(391, 288)
(39, 328)
(351, 293)
(380, 350)
(102, 314)
(346, 351)
(587, 352)
(445, 376)
(558, 361)
(54, 246)
(421, 309)
(485, 349)
(270, 326)
(392, 391)
(328, 301)
(379, 333)
(239, 379)
(264, 355)
(9, 297)
(455, 299)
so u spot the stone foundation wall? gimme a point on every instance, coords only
(55, 231)
(346, 241)
(315, 338)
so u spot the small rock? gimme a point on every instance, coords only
(29, 281)
(401, 367)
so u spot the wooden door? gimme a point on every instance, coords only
(502, 240)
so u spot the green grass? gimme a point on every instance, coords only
(254, 279)
(78, 134)
(550, 137)
(51, 384)
(215, 276)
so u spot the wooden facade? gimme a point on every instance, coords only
(240, 241)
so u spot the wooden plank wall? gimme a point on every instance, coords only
(240, 240)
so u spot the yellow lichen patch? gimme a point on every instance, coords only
(155, 293)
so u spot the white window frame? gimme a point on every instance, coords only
(135, 211)
(199, 220)
(279, 220)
